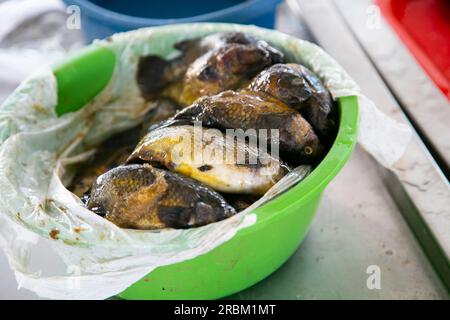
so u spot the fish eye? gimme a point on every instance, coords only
(308, 150)
(207, 73)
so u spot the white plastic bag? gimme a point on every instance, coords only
(97, 259)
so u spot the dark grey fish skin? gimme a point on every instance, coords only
(115, 150)
(164, 109)
(154, 74)
(111, 153)
(139, 196)
(230, 66)
(240, 201)
(302, 90)
(255, 110)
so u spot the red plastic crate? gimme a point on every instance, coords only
(424, 27)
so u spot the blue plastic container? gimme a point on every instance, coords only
(102, 18)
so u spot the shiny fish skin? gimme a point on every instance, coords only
(174, 147)
(302, 90)
(240, 201)
(111, 153)
(159, 77)
(116, 150)
(255, 110)
(155, 73)
(198, 46)
(162, 110)
(227, 67)
(97, 166)
(142, 197)
(193, 48)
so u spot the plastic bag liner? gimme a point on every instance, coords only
(86, 256)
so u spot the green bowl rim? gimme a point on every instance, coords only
(314, 183)
(325, 171)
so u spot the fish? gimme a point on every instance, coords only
(193, 48)
(301, 89)
(158, 77)
(96, 166)
(240, 201)
(154, 73)
(253, 110)
(111, 153)
(139, 196)
(116, 149)
(162, 110)
(219, 161)
(228, 67)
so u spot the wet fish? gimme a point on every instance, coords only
(155, 73)
(157, 76)
(90, 170)
(255, 110)
(302, 90)
(240, 201)
(113, 152)
(222, 162)
(116, 150)
(139, 196)
(163, 109)
(227, 67)
(193, 48)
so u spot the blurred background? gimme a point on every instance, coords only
(397, 51)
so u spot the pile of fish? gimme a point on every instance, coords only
(224, 81)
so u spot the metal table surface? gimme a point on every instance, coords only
(358, 225)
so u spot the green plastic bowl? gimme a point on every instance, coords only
(257, 251)
(254, 252)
